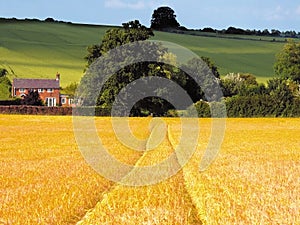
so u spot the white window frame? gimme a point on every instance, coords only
(49, 90)
(21, 90)
(51, 102)
(41, 90)
(63, 100)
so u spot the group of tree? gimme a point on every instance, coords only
(140, 67)
(48, 20)
(265, 32)
(164, 18)
(243, 95)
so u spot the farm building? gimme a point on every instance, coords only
(48, 89)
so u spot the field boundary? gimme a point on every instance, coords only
(35, 110)
(53, 111)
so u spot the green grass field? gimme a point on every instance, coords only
(231, 55)
(35, 49)
(38, 49)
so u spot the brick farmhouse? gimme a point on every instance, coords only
(48, 89)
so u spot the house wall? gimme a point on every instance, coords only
(65, 101)
(55, 94)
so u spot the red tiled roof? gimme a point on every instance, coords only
(36, 83)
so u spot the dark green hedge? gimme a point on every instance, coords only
(247, 106)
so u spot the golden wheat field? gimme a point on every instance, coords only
(44, 178)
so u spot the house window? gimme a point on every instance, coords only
(40, 90)
(51, 102)
(50, 90)
(63, 101)
(22, 90)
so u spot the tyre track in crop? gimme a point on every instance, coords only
(103, 198)
(189, 185)
(167, 202)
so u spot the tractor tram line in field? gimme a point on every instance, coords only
(166, 202)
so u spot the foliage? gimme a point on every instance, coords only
(202, 108)
(250, 106)
(231, 84)
(130, 32)
(3, 72)
(4, 80)
(153, 106)
(164, 17)
(70, 89)
(32, 98)
(244, 97)
(50, 20)
(288, 61)
(240, 84)
(207, 76)
(211, 65)
(5, 87)
(247, 32)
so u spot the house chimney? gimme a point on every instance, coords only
(57, 76)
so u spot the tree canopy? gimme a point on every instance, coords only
(70, 89)
(120, 47)
(133, 69)
(164, 17)
(32, 98)
(3, 72)
(130, 32)
(288, 61)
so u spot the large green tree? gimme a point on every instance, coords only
(132, 57)
(164, 17)
(207, 75)
(129, 32)
(287, 63)
(124, 60)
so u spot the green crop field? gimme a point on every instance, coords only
(37, 49)
(231, 55)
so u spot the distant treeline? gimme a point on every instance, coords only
(265, 32)
(49, 19)
(229, 30)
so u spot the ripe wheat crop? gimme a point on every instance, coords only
(44, 179)
(256, 177)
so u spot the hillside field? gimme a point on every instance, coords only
(44, 179)
(34, 49)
